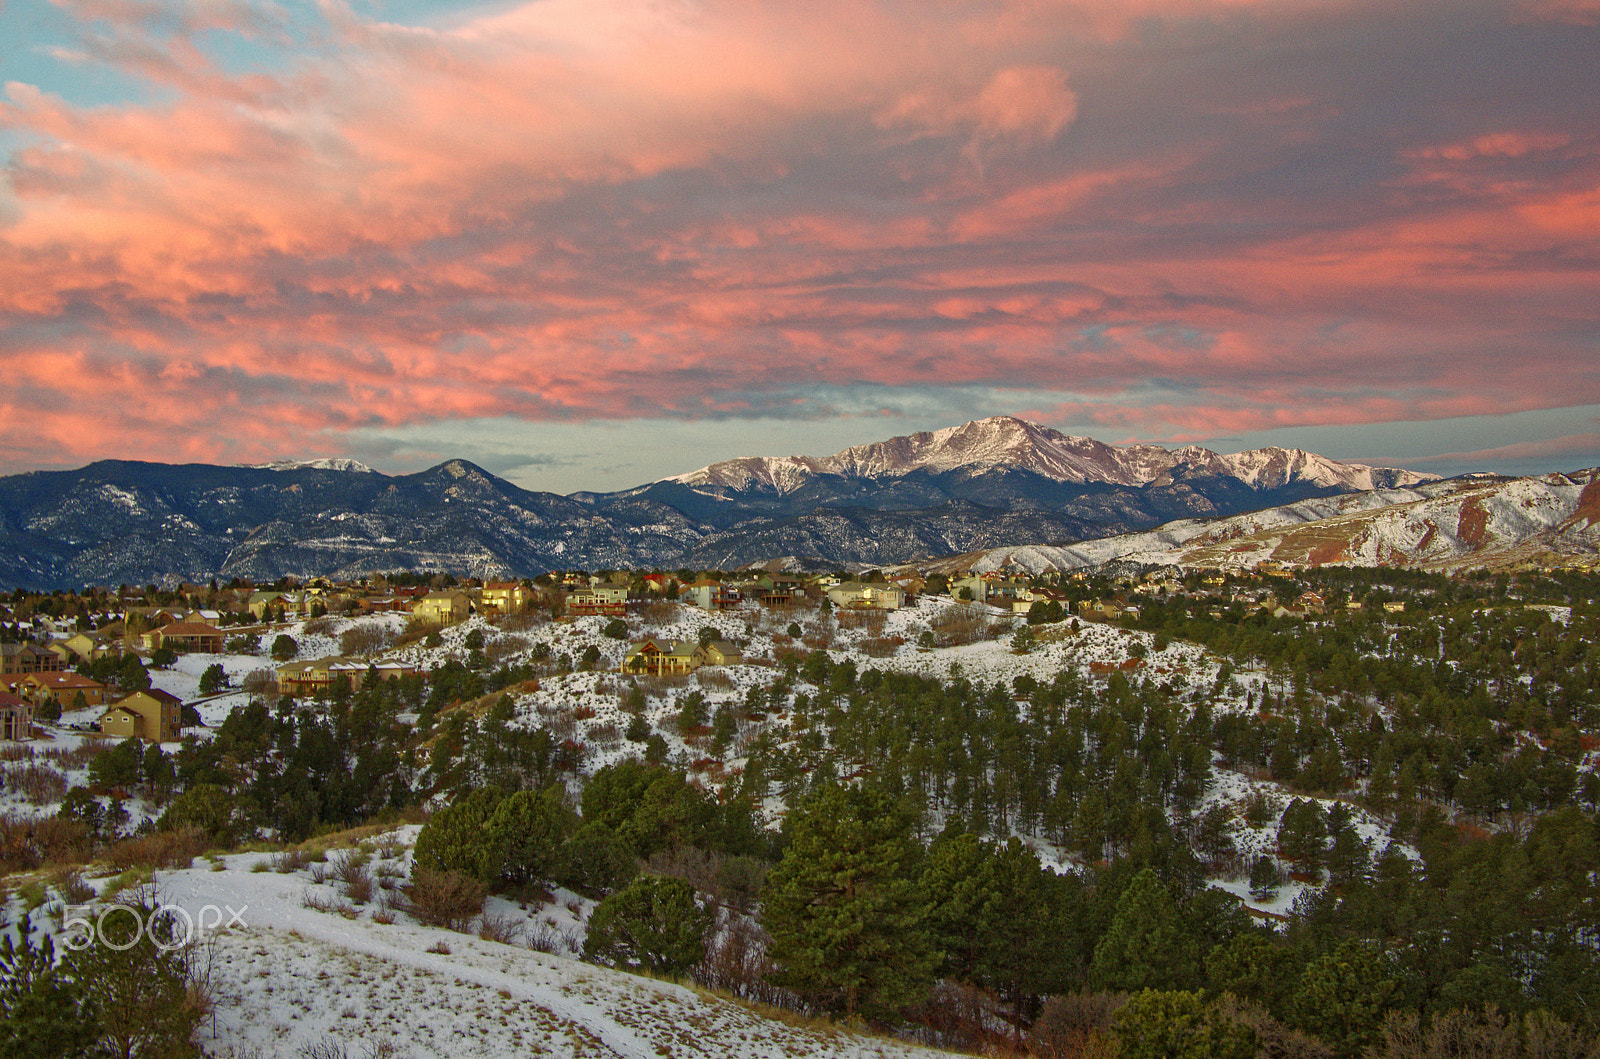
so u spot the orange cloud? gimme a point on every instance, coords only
(616, 209)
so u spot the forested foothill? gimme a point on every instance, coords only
(1370, 830)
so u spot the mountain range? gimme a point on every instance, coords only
(1473, 522)
(993, 483)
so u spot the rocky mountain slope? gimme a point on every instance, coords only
(1482, 521)
(990, 483)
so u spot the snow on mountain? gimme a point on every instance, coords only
(1550, 519)
(335, 463)
(1012, 443)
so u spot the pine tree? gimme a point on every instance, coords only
(43, 1012)
(1147, 945)
(848, 926)
(654, 925)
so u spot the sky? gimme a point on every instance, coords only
(591, 243)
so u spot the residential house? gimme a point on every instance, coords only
(910, 582)
(867, 595)
(16, 717)
(1002, 592)
(187, 636)
(722, 653)
(318, 677)
(290, 604)
(23, 658)
(774, 590)
(658, 583)
(442, 608)
(63, 689)
(663, 658)
(970, 587)
(88, 646)
(504, 597)
(709, 595)
(598, 599)
(1101, 608)
(151, 715)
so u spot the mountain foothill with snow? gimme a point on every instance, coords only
(1272, 774)
(1312, 750)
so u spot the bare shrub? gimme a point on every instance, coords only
(26, 843)
(870, 619)
(958, 1017)
(659, 612)
(714, 678)
(363, 641)
(320, 626)
(38, 784)
(881, 646)
(350, 868)
(260, 684)
(504, 647)
(1277, 1041)
(73, 889)
(1077, 1024)
(16, 752)
(318, 901)
(506, 930)
(76, 756)
(957, 625)
(446, 898)
(606, 734)
(544, 936)
(289, 860)
(737, 963)
(158, 849)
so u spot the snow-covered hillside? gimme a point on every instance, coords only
(300, 967)
(1551, 519)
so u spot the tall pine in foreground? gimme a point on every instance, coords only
(848, 925)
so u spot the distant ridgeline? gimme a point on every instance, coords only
(990, 484)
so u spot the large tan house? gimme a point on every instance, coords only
(318, 677)
(152, 715)
(191, 635)
(442, 608)
(64, 688)
(663, 658)
(867, 595)
(504, 597)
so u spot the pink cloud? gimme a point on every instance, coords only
(620, 209)
(1582, 446)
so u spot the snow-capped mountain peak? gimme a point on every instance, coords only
(1017, 444)
(335, 463)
